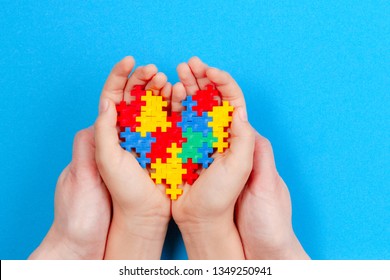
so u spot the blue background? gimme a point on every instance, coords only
(315, 75)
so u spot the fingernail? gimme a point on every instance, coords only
(243, 115)
(103, 106)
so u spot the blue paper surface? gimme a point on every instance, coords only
(315, 75)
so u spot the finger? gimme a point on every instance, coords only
(116, 81)
(227, 86)
(242, 142)
(187, 78)
(106, 134)
(141, 76)
(199, 69)
(157, 83)
(166, 92)
(264, 176)
(84, 146)
(178, 95)
(264, 160)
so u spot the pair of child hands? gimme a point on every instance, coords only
(238, 208)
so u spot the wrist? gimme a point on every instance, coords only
(149, 227)
(57, 246)
(218, 239)
(286, 248)
(156, 216)
(293, 250)
(136, 237)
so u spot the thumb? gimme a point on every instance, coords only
(106, 134)
(84, 146)
(264, 175)
(242, 140)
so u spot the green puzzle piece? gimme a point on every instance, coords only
(195, 141)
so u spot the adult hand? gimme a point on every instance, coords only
(263, 211)
(82, 208)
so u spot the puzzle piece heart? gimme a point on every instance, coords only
(174, 146)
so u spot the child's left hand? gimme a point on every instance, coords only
(141, 209)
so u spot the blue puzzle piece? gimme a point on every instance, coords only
(200, 124)
(133, 141)
(189, 103)
(143, 160)
(206, 153)
(188, 113)
(185, 124)
(145, 143)
(130, 139)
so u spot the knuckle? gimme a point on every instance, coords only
(82, 136)
(251, 133)
(264, 144)
(163, 77)
(227, 75)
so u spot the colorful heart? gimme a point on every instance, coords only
(177, 145)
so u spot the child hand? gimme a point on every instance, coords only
(264, 211)
(141, 210)
(204, 212)
(82, 208)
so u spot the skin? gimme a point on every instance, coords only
(141, 210)
(263, 211)
(205, 211)
(82, 208)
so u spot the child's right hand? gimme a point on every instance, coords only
(205, 210)
(263, 211)
(141, 210)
